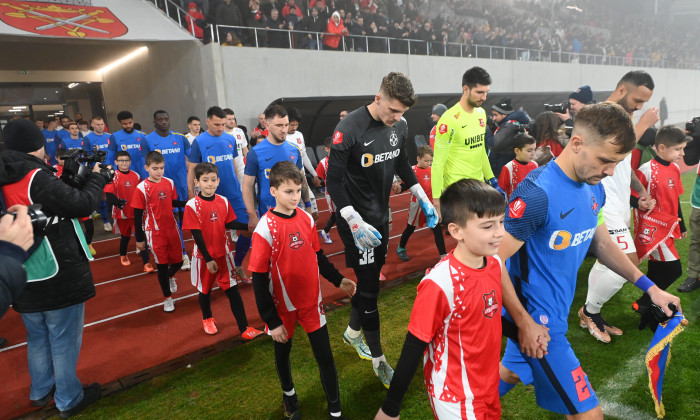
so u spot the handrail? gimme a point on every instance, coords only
(179, 11)
(446, 49)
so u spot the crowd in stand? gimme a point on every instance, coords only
(541, 31)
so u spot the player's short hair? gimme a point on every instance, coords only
(82, 122)
(193, 118)
(468, 197)
(637, 78)
(229, 111)
(670, 135)
(122, 153)
(609, 121)
(37, 119)
(275, 110)
(294, 113)
(72, 123)
(204, 168)
(285, 171)
(154, 157)
(327, 142)
(398, 86)
(475, 76)
(96, 118)
(62, 117)
(522, 139)
(124, 115)
(216, 111)
(424, 150)
(160, 111)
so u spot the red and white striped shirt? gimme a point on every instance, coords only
(458, 313)
(156, 200)
(513, 173)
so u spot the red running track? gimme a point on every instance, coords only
(126, 330)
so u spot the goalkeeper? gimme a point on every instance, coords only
(369, 147)
(460, 138)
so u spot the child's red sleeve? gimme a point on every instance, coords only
(190, 220)
(138, 200)
(260, 252)
(321, 171)
(504, 180)
(429, 310)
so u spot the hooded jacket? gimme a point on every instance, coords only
(502, 142)
(72, 284)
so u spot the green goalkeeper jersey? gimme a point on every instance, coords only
(460, 148)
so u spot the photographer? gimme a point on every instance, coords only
(15, 239)
(577, 100)
(52, 304)
(508, 123)
(692, 157)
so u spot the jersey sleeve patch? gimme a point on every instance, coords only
(337, 137)
(527, 210)
(443, 128)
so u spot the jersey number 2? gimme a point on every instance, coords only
(367, 257)
(582, 388)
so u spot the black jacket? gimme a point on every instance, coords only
(73, 282)
(12, 275)
(502, 145)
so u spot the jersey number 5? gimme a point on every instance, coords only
(582, 388)
(367, 257)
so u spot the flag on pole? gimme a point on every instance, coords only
(658, 356)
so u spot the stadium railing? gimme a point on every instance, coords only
(257, 38)
(417, 47)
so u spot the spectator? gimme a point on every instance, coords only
(276, 38)
(376, 44)
(334, 30)
(435, 115)
(508, 124)
(314, 23)
(289, 7)
(53, 305)
(577, 100)
(546, 132)
(256, 20)
(232, 40)
(358, 40)
(228, 14)
(195, 21)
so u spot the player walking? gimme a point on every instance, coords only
(369, 147)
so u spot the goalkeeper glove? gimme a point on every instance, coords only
(364, 235)
(426, 206)
(494, 184)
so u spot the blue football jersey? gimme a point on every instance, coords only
(50, 146)
(174, 148)
(260, 160)
(556, 217)
(100, 142)
(135, 143)
(64, 141)
(220, 151)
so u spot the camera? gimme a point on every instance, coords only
(561, 108)
(692, 125)
(74, 173)
(39, 219)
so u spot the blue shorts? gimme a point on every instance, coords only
(560, 384)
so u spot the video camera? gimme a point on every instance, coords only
(74, 174)
(39, 219)
(561, 108)
(693, 125)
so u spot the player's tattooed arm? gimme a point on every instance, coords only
(645, 203)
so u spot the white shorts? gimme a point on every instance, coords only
(312, 199)
(618, 227)
(331, 206)
(414, 214)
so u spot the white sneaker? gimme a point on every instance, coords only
(185, 263)
(108, 227)
(173, 285)
(169, 305)
(326, 237)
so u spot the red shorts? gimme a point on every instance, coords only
(310, 318)
(204, 280)
(124, 227)
(165, 245)
(468, 409)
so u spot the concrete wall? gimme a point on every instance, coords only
(172, 76)
(185, 78)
